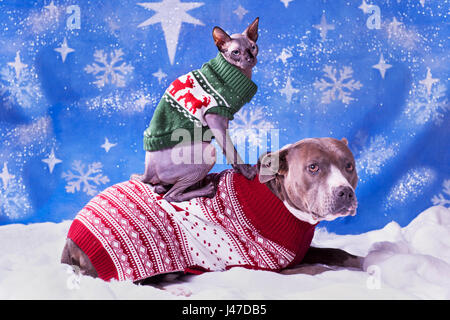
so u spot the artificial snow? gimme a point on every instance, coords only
(412, 262)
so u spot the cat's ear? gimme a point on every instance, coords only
(221, 38)
(252, 30)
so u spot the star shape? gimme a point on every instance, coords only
(422, 2)
(429, 81)
(289, 90)
(108, 145)
(17, 64)
(286, 2)
(364, 7)
(6, 176)
(142, 102)
(284, 55)
(64, 50)
(51, 161)
(171, 14)
(113, 26)
(393, 26)
(382, 66)
(240, 12)
(159, 75)
(324, 27)
(53, 10)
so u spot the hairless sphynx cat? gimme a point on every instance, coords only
(178, 180)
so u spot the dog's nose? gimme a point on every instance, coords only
(344, 195)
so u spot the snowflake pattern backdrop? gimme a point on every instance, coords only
(80, 80)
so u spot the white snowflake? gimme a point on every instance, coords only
(373, 156)
(250, 125)
(90, 178)
(337, 88)
(441, 199)
(109, 72)
(23, 90)
(14, 200)
(423, 107)
(410, 186)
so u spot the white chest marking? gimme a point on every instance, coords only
(301, 215)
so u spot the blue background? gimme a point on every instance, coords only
(397, 128)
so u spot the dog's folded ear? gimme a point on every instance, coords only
(272, 164)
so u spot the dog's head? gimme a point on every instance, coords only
(315, 178)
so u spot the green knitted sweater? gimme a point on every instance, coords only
(218, 87)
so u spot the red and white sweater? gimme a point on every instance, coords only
(130, 232)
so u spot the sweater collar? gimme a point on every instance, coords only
(233, 77)
(270, 216)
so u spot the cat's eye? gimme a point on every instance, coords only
(235, 52)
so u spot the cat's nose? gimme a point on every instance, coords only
(250, 57)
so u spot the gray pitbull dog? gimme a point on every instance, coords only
(316, 180)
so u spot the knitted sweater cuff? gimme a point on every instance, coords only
(225, 112)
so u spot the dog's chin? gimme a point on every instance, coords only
(340, 214)
(313, 217)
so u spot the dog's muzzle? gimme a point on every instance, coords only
(344, 201)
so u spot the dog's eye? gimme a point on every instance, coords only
(253, 47)
(349, 167)
(235, 52)
(313, 168)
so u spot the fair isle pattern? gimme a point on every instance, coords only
(173, 103)
(192, 95)
(144, 235)
(140, 237)
(108, 241)
(201, 78)
(227, 212)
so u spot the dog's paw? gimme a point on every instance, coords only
(178, 290)
(311, 270)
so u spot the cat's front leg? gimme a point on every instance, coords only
(219, 127)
